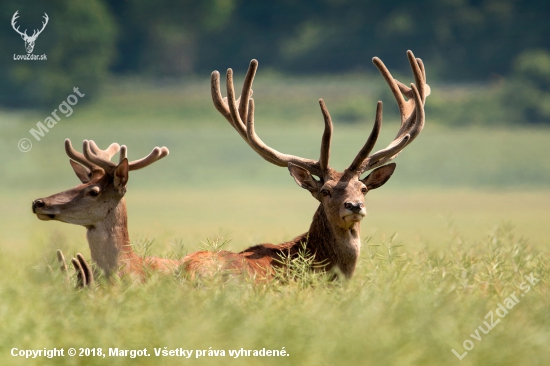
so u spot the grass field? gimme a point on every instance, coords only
(449, 238)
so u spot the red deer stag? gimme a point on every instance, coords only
(99, 205)
(334, 235)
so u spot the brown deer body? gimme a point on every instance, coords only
(99, 205)
(334, 234)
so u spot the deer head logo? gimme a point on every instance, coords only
(29, 41)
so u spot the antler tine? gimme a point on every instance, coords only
(371, 141)
(97, 156)
(395, 88)
(273, 155)
(78, 157)
(94, 148)
(157, 154)
(235, 117)
(246, 92)
(123, 153)
(112, 150)
(327, 137)
(419, 78)
(106, 154)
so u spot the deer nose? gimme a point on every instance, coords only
(353, 207)
(37, 204)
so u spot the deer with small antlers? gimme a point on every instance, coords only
(98, 204)
(29, 40)
(334, 234)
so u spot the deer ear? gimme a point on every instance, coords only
(379, 176)
(83, 173)
(121, 175)
(304, 178)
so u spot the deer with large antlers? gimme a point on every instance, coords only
(99, 205)
(29, 40)
(334, 234)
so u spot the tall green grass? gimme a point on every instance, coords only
(402, 307)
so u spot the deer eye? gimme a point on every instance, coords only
(325, 192)
(364, 190)
(93, 192)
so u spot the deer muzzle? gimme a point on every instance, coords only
(353, 212)
(42, 211)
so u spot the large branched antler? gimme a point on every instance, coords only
(242, 119)
(95, 159)
(411, 112)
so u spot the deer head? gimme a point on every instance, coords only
(103, 184)
(341, 194)
(29, 40)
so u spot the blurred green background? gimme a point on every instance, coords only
(480, 165)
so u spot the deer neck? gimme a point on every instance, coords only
(110, 243)
(333, 245)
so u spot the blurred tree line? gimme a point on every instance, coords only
(501, 41)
